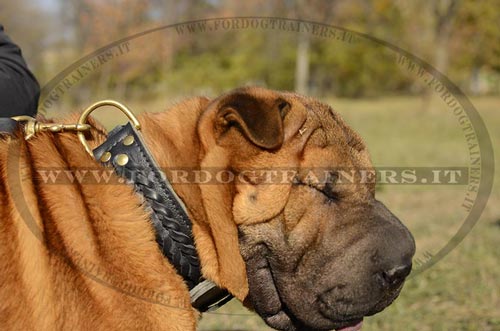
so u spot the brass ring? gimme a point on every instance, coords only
(83, 119)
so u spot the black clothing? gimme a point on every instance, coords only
(19, 90)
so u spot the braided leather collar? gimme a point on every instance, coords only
(126, 152)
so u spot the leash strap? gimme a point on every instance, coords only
(125, 151)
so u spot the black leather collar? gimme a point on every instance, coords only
(126, 152)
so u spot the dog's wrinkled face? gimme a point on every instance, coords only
(319, 254)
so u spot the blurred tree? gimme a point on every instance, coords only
(428, 32)
(444, 16)
(319, 11)
(444, 12)
(98, 23)
(477, 44)
(359, 67)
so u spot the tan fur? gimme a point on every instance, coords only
(69, 252)
(83, 256)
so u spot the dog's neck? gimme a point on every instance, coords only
(173, 139)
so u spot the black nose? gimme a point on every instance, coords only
(395, 276)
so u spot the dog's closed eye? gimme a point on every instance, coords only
(329, 188)
(329, 191)
(326, 186)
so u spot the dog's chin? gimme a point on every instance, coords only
(264, 297)
(282, 317)
(284, 320)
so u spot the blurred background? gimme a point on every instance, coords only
(403, 120)
(459, 37)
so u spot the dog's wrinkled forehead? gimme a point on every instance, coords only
(322, 116)
(328, 144)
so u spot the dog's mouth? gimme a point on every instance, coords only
(282, 321)
(265, 298)
(355, 326)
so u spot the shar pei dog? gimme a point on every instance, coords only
(304, 251)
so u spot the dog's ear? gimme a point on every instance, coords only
(259, 118)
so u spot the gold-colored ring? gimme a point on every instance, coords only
(83, 118)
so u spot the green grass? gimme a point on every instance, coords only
(461, 292)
